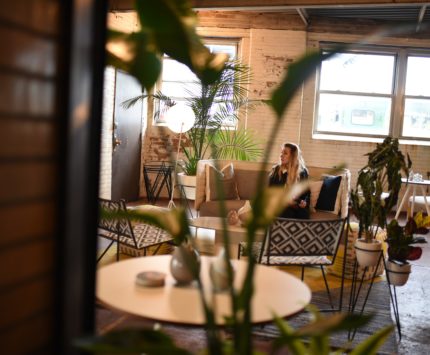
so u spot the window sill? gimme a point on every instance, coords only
(335, 137)
(345, 138)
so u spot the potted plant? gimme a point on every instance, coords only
(400, 241)
(375, 194)
(216, 109)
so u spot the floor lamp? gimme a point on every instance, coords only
(179, 119)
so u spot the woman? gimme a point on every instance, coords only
(290, 170)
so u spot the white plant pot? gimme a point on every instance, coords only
(398, 274)
(367, 253)
(188, 183)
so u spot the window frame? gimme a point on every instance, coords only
(233, 41)
(397, 95)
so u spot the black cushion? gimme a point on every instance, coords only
(327, 198)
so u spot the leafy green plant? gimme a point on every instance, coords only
(166, 26)
(213, 105)
(265, 207)
(382, 174)
(401, 239)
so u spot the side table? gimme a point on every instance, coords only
(163, 177)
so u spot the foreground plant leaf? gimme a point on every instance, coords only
(131, 341)
(166, 26)
(297, 73)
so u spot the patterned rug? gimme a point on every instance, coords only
(193, 338)
(377, 304)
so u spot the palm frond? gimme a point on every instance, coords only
(237, 145)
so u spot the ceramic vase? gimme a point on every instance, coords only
(397, 273)
(218, 273)
(184, 259)
(367, 254)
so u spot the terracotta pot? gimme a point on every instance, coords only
(397, 274)
(188, 183)
(367, 253)
(182, 258)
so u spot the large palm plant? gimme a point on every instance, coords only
(216, 108)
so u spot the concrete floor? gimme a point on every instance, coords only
(414, 306)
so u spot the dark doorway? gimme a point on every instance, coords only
(126, 139)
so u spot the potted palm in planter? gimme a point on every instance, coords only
(216, 109)
(217, 105)
(400, 241)
(375, 194)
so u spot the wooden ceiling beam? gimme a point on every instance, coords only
(274, 5)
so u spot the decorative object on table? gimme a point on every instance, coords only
(400, 241)
(382, 174)
(233, 218)
(219, 273)
(150, 279)
(245, 213)
(185, 264)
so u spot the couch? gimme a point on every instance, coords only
(245, 176)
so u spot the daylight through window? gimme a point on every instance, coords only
(374, 92)
(178, 82)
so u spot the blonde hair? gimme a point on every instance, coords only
(295, 164)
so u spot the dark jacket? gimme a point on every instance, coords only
(293, 211)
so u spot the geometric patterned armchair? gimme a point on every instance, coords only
(304, 243)
(132, 238)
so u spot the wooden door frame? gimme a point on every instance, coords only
(80, 83)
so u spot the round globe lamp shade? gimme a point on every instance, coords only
(180, 118)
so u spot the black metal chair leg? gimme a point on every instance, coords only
(117, 249)
(105, 251)
(326, 287)
(303, 273)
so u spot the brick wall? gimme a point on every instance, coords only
(105, 179)
(269, 43)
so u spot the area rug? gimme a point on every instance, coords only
(378, 304)
(193, 338)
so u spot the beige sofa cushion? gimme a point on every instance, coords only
(227, 182)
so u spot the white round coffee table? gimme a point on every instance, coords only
(276, 292)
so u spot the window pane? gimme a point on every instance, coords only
(175, 71)
(223, 48)
(179, 90)
(418, 76)
(354, 114)
(416, 122)
(354, 72)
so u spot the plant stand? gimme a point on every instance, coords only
(357, 287)
(163, 177)
(393, 297)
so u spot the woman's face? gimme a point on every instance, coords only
(285, 155)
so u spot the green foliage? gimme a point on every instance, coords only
(236, 145)
(167, 26)
(213, 106)
(401, 238)
(314, 338)
(381, 174)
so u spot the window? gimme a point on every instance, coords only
(178, 82)
(374, 92)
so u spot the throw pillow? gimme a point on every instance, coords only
(315, 188)
(329, 194)
(228, 183)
